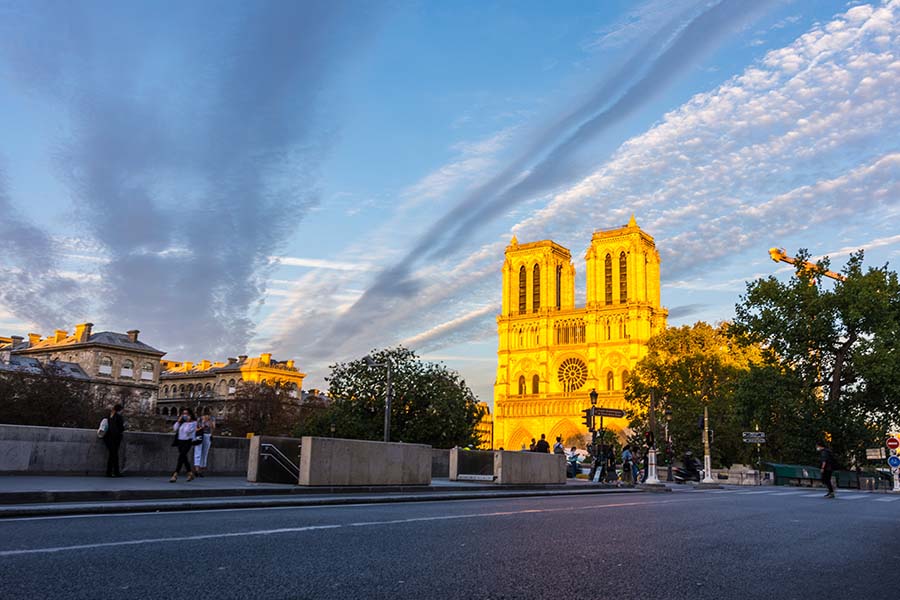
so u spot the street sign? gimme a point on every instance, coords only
(754, 437)
(894, 461)
(893, 443)
(875, 454)
(609, 412)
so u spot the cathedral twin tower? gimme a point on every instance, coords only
(552, 354)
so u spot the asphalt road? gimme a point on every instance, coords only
(780, 543)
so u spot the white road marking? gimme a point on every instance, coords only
(789, 493)
(751, 493)
(816, 495)
(853, 497)
(266, 532)
(886, 499)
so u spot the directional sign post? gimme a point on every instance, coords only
(610, 412)
(754, 437)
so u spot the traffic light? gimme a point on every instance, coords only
(588, 418)
(649, 440)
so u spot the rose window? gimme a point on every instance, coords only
(572, 374)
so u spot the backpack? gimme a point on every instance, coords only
(558, 448)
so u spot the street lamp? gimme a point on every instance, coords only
(598, 455)
(652, 478)
(707, 459)
(387, 400)
(668, 444)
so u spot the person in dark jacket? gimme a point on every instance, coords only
(543, 445)
(113, 439)
(826, 458)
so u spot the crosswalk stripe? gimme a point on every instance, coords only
(751, 493)
(722, 491)
(853, 497)
(816, 495)
(886, 499)
(789, 493)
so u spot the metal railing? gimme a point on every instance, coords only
(270, 451)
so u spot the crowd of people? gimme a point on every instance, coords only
(192, 439)
(631, 468)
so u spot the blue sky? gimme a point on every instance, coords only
(321, 179)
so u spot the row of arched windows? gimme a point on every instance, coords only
(175, 411)
(526, 336)
(195, 391)
(623, 278)
(621, 329)
(535, 385)
(126, 370)
(536, 288)
(611, 380)
(569, 331)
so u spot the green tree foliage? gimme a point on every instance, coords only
(46, 399)
(835, 345)
(688, 368)
(262, 409)
(431, 404)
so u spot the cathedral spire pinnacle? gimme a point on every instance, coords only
(631, 221)
(514, 241)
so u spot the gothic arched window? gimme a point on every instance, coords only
(607, 278)
(625, 376)
(610, 381)
(623, 278)
(535, 384)
(523, 282)
(521, 385)
(536, 288)
(558, 287)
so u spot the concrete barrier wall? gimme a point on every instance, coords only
(528, 467)
(63, 451)
(472, 465)
(440, 463)
(334, 461)
(267, 466)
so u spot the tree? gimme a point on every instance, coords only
(839, 342)
(262, 409)
(688, 368)
(431, 404)
(46, 398)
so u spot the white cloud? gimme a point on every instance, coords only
(319, 263)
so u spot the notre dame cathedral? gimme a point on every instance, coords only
(552, 354)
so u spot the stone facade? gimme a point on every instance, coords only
(551, 354)
(207, 386)
(118, 364)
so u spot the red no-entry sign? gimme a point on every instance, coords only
(893, 443)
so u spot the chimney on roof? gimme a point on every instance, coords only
(204, 364)
(265, 358)
(188, 366)
(16, 340)
(83, 332)
(132, 335)
(242, 357)
(231, 361)
(34, 338)
(60, 335)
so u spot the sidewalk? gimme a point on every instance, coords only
(62, 495)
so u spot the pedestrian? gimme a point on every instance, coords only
(573, 462)
(645, 463)
(558, 447)
(531, 447)
(115, 431)
(826, 458)
(205, 428)
(543, 446)
(185, 430)
(627, 463)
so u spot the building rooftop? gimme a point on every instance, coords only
(82, 336)
(12, 363)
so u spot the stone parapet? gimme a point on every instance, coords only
(335, 461)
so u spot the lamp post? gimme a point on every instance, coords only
(332, 430)
(707, 459)
(598, 454)
(668, 445)
(652, 477)
(387, 399)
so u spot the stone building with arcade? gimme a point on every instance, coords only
(551, 354)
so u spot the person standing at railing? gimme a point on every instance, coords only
(205, 428)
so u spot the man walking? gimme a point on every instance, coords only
(113, 439)
(826, 458)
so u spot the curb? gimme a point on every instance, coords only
(42, 510)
